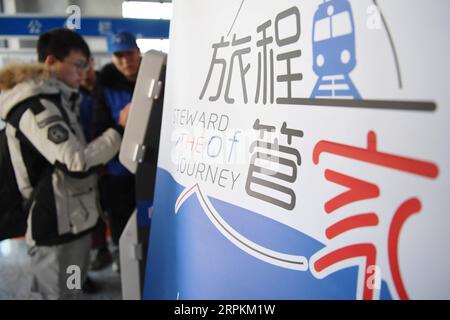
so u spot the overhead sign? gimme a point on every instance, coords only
(303, 152)
(91, 27)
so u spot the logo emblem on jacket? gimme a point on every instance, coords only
(57, 134)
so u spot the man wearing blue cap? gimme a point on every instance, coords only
(126, 56)
(114, 93)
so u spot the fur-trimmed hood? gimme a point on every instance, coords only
(14, 74)
(22, 81)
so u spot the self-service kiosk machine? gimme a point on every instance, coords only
(139, 154)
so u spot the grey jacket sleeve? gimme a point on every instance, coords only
(53, 138)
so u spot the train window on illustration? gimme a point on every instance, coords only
(322, 30)
(341, 24)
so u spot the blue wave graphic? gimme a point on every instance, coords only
(189, 258)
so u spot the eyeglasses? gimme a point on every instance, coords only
(80, 65)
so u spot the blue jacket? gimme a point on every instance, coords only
(114, 92)
(86, 112)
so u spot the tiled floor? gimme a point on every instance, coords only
(15, 278)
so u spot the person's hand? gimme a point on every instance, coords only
(123, 117)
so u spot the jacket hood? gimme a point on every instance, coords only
(20, 82)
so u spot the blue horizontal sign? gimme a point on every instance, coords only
(90, 27)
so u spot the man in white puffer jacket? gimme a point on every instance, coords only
(53, 164)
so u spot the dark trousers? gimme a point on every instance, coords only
(99, 240)
(119, 199)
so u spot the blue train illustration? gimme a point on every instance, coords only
(334, 51)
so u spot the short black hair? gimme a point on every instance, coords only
(59, 42)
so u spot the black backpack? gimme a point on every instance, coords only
(13, 217)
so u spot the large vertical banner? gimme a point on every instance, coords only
(304, 152)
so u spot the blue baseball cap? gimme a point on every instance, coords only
(121, 41)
